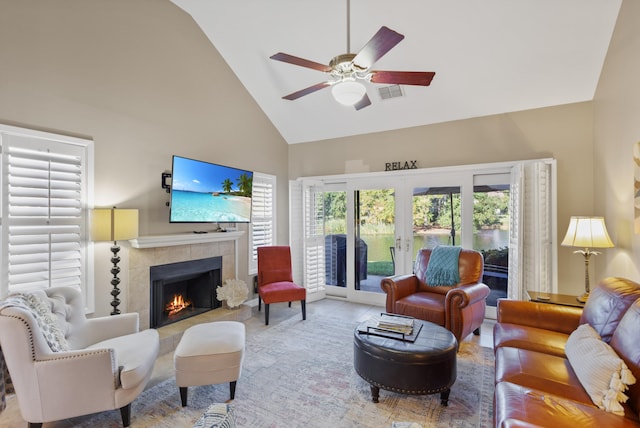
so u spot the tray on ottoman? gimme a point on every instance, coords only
(372, 327)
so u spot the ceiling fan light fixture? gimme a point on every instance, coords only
(348, 92)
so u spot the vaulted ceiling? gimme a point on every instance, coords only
(489, 56)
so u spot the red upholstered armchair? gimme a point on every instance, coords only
(275, 280)
(459, 308)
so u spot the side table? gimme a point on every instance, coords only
(555, 299)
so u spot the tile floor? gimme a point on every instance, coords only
(163, 368)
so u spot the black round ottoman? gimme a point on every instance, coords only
(426, 366)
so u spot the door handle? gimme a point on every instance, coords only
(399, 244)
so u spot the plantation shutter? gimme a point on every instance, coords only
(314, 238)
(296, 231)
(307, 236)
(515, 287)
(531, 251)
(43, 213)
(263, 219)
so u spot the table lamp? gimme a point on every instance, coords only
(587, 232)
(113, 224)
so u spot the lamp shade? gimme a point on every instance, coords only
(348, 92)
(113, 224)
(587, 232)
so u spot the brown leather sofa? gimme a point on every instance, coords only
(535, 383)
(459, 308)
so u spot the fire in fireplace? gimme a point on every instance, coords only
(185, 289)
(176, 305)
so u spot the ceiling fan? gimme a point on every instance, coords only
(346, 71)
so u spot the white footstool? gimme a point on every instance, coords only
(209, 354)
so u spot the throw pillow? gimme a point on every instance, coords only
(217, 415)
(35, 302)
(601, 372)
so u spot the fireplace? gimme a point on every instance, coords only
(184, 289)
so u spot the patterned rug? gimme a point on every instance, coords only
(300, 374)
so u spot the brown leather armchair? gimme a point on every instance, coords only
(459, 308)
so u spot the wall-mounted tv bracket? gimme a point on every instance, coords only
(166, 186)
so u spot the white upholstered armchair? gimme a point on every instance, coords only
(64, 365)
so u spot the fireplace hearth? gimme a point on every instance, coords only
(184, 289)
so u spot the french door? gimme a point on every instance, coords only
(433, 209)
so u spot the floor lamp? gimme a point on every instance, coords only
(113, 224)
(587, 232)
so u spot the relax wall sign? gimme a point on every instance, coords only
(396, 166)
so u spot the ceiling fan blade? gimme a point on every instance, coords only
(364, 102)
(420, 78)
(306, 91)
(300, 61)
(381, 43)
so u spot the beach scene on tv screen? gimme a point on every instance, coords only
(205, 192)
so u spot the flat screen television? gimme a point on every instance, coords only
(204, 192)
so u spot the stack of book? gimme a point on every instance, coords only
(396, 324)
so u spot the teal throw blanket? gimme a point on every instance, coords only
(443, 266)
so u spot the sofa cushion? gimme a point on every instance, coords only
(283, 291)
(133, 356)
(547, 373)
(531, 338)
(424, 306)
(607, 304)
(601, 372)
(520, 406)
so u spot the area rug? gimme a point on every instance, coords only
(300, 374)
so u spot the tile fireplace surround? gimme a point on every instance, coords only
(159, 250)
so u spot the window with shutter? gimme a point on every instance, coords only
(263, 217)
(44, 199)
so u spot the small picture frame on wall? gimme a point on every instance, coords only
(636, 187)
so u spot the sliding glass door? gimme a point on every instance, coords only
(431, 208)
(374, 225)
(373, 236)
(360, 222)
(491, 195)
(437, 218)
(335, 240)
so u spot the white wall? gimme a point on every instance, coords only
(617, 129)
(141, 80)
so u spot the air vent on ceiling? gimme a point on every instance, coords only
(393, 91)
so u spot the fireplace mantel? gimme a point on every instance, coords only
(153, 241)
